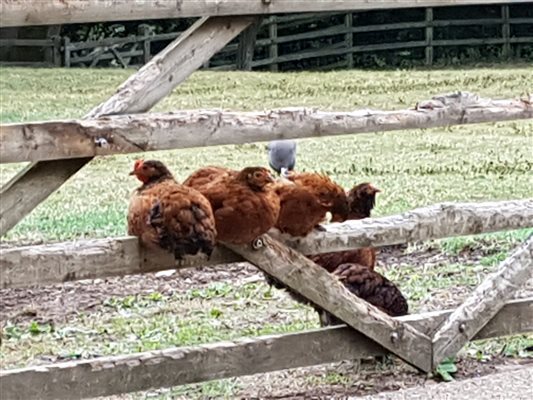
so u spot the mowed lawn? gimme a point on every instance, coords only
(413, 168)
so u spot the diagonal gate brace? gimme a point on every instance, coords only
(484, 303)
(137, 94)
(317, 285)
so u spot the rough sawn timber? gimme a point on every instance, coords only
(484, 303)
(106, 376)
(195, 128)
(24, 12)
(138, 93)
(323, 289)
(91, 259)
(432, 222)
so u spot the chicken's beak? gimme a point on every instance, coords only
(132, 173)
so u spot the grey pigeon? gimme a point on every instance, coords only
(282, 155)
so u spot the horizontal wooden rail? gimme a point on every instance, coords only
(91, 259)
(40, 141)
(24, 12)
(106, 376)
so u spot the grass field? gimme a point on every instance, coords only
(413, 168)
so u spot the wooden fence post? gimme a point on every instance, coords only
(429, 36)
(348, 38)
(66, 52)
(506, 32)
(56, 52)
(144, 31)
(245, 50)
(273, 48)
(483, 304)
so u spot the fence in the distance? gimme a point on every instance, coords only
(327, 40)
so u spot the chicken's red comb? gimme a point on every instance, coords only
(138, 163)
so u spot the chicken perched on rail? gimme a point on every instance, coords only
(167, 215)
(370, 286)
(301, 210)
(329, 193)
(244, 203)
(361, 200)
(206, 175)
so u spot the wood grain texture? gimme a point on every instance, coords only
(184, 129)
(484, 302)
(137, 94)
(321, 288)
(91, 259)
(28, 12)
(177, 366)
(432, 222)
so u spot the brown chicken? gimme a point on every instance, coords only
(244, 204)
(361, 200)
(370, 286)
(167, 215)
(329, 194)
(206, 175)
(300, 209)
(362, 282)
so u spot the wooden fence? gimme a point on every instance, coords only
(421, 340)
(340, 40)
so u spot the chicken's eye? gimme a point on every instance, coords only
(257, 175)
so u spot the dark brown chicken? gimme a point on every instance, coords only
(329, 194)
(167, 215)
(364, 283)
(206, 175)
(370, 286)
(300, 210)
(245, 204)
(361, 200)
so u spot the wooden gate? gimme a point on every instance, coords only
(58, 149)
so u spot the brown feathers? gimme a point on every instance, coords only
(244, 203)
(167, 215)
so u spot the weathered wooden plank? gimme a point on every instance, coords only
(436, 221)
(323, 289)
(247, 40)
(137, 94)
(484, 303)
(183, 129)
(27, 12)
(91, 259)
(177, 366)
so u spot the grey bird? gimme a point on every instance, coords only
(282, 155)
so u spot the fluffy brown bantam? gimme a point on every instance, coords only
(167, 215)
(362, 282)
(361, 200)
(300, 210)
(370, 286)
(206, 175)
(329, 194)
(245, 204)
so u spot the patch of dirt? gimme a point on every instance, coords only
(55, 303)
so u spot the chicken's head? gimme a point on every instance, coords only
(362, 198)
(256, 177)
(332, 196)
(150, 171)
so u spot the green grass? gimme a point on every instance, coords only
(414, 168)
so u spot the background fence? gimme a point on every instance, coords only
(320, 41)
